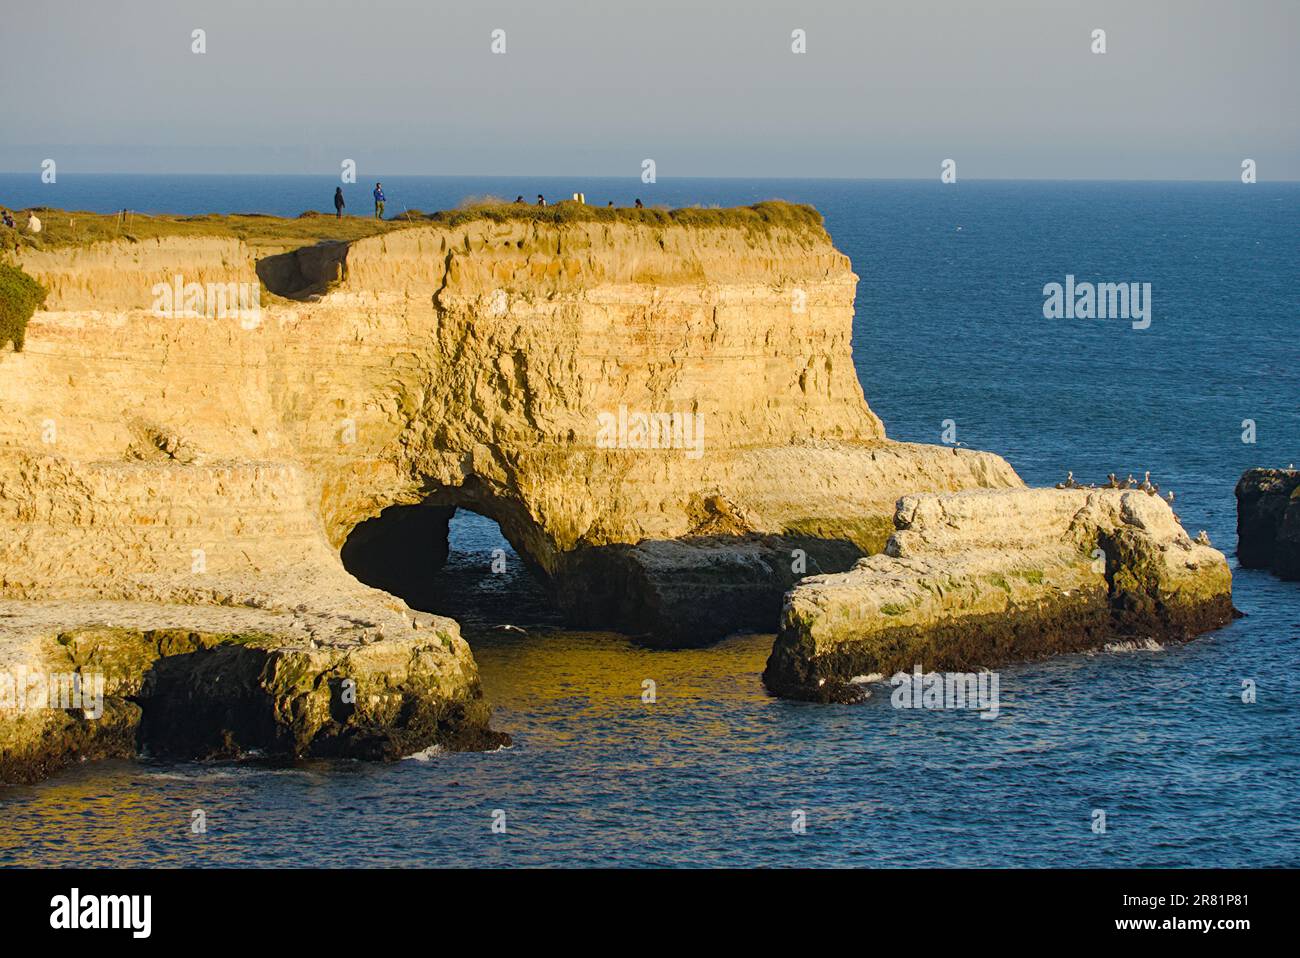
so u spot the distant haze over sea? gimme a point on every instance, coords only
(1178, 89)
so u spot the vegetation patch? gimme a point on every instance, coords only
(62, 228)
(20, 297)
(761, 217)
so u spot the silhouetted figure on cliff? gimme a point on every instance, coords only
(639, 204)
(541, 200)
(519, 198)
(379, 201)
(338, 202)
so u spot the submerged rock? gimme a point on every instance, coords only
(1268, 521)
(981, 578)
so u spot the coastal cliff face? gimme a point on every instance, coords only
(664, 420)
(1268, 521)
(977, 579)
(472, 367)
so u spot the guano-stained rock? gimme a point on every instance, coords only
(978, 579)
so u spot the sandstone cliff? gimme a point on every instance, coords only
(977, 579)
(463, 367)
(555, 378)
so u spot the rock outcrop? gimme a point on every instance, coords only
(978, 579)
(227, 682)
(1268, 521)
(664, 419)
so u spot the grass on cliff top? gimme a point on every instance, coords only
(759, 217)
(60, 228)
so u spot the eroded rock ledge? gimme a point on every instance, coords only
(978, 579)
(1268, 521)
(279, 686)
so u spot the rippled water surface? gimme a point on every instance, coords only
(949, 326)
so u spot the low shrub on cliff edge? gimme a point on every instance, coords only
(20, 295)
(761, 216)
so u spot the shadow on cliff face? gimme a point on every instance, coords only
(450, 561)
(694, 591)
(209, 704)
(679, 593)
(400, 550)
(303, 273)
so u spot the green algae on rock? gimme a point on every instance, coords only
(178, 693)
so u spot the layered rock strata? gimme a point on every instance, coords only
(1268, 521)
(516, 369)
(977, 579)
(665, 421)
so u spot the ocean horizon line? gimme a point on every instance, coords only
(36, 173)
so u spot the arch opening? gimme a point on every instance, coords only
(450, 560)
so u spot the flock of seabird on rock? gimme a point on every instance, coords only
(1114, 482)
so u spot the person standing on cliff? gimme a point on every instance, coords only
(338, 202)
(379, 201)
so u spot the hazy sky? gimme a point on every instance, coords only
(1008, 88)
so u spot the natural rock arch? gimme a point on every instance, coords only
(200, 476)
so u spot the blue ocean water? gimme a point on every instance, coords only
(949, 326)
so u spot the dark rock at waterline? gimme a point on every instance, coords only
(180, 694)
(1268, 521)
(377, 703)
(690, 592)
